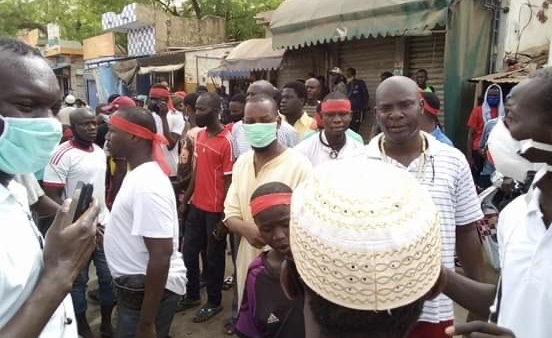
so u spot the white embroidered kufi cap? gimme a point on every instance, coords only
(365, 235)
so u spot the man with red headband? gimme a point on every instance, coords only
(169, 122)
(430, 118)
(141, 239)
(332, 143)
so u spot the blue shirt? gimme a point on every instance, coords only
(441, 137)
(488, 169)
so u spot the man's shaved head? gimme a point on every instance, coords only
(80, 114)
(261, 87)
(404, 83)
(399, 108)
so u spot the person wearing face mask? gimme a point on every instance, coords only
(36, 274)
(492, 107)
(210, 182)
(268, 162)
(520, 143)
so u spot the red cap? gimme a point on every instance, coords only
(120, 102)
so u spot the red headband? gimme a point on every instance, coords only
(430, 109)
(336, 106)
(159, 93)
(141, 132)
(162, 93)
(262, 203)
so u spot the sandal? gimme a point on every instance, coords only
(229, 329)
(206, 313)
(185, 304)
(228, 283)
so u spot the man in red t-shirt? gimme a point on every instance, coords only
(212, 177)
(479, 116)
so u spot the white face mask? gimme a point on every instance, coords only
(506, 153)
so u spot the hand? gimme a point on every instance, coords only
(145, 331)
(479, 329)
(68, 246)
(253, 236)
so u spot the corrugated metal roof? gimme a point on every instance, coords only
(254, 54)
(304, 22)
(513, 76)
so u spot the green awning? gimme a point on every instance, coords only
(304, 22)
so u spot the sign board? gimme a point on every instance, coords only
(99, 46)
(53, 34)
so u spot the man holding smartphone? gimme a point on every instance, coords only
(169, 123)
(36, 274)
(80, 159)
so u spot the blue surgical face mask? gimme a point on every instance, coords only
(260, 135)
(27, 143)
(493, 101)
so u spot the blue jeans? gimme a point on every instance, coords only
(128, 318)
(105, 282)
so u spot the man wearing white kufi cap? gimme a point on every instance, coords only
(366, 250)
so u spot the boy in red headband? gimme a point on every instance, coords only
(265, 310)
(333, 142)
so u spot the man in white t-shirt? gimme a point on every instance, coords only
(80, 159)
(169, 123)
(36, 274)
(444, 171)
(520, 143)
(332, 143)
(141, 241)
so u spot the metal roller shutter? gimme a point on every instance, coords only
(296, 64)
(428, 52)
(370, 58)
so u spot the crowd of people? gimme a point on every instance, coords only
(329, 236)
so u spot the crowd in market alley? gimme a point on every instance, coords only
(331, 204)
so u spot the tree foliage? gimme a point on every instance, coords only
(80, 19)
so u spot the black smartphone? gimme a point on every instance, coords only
(82, 197)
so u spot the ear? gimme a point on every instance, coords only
(422, 102)
(289, 280)
(439, 286)
(278, 122)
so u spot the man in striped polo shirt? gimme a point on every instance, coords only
(445, 172)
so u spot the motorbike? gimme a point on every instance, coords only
(493, 199)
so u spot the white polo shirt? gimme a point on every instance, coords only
(21, 263)
(319, 153)
(176, 125)
(144, 207)
(70, 164)
(525, 247)
(445, 172)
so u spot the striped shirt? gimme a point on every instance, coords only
(444, 171)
